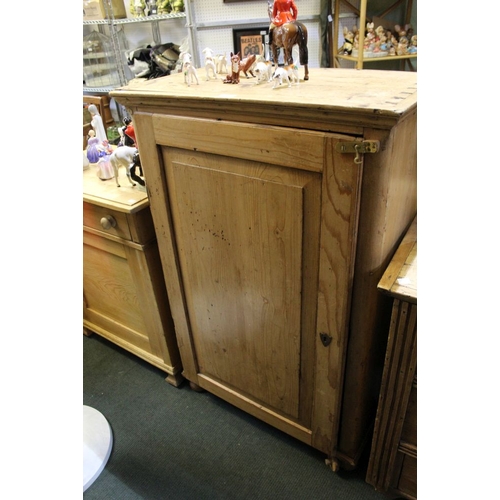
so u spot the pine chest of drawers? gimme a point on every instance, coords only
(124, 295)
(393, 459)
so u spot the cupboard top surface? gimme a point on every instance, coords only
(365, 93)
(107, 194)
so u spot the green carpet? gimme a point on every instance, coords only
(173, 443)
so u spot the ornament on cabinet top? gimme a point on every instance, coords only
(221, 63)
(210, 63)
(264, 71)
(289, 73)
(285, 32)
(188, 69)
(237, 65)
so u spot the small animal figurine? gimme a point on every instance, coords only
(246, 65)
(123, 157)
(264, 71)
(136, 164)
(210, 66)
(279, 75)
(221, 63)
(370, 29)
(412, 49)
(292, 71)
(234, 76)
(189, 70)
(346, 48)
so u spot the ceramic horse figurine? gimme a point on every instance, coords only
(287, 36)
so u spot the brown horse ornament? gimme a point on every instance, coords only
(287, 36)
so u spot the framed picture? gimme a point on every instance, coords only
(250, 41)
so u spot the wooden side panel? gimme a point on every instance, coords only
(388, 206)
(399, 372)
(155, 310)
(141, 226)
(159, 203)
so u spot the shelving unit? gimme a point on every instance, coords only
(361, 14)
(112, 24)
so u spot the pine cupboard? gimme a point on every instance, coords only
(276, 212)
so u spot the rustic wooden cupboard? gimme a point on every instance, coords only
(124, 295)
(275, 219)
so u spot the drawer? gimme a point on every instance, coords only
(409, 432)
(407, 483)
(93, 215)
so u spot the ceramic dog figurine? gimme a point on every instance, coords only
(210, 66)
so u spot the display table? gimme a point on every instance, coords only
(97, 444)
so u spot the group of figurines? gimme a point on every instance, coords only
(143, 8)
(380, 42)
(285, 32)
(230, 70)
(109, 159)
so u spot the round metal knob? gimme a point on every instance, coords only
(108, 222)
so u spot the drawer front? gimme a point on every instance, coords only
(102, 219)
(409, 432)
(407, 482)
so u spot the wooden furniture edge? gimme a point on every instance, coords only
(397, 262)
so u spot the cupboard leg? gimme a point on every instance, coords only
(196, 387)
(87, 332)
(175, 380)
(333, 463)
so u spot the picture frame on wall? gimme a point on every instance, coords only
(250, 41)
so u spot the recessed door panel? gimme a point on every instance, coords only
(240, 233)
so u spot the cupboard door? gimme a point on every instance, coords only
(239, 231)
(256, 228)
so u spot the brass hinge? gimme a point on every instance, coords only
(358, 148)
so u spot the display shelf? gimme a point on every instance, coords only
(360, 60)
(145, 19)
(112, 25)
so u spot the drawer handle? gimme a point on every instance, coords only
(108, 222)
